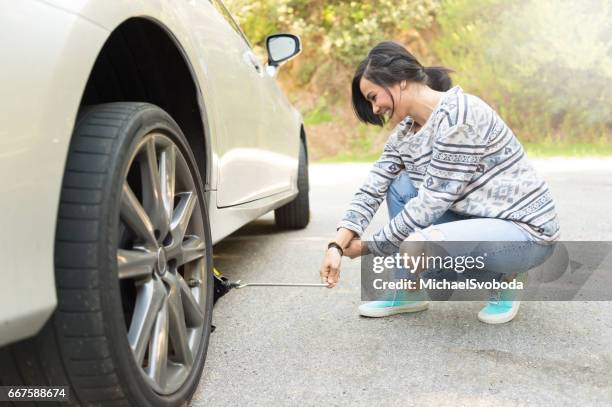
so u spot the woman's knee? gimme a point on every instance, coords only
(416, 242)
(429, 234)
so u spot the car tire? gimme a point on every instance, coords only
(296, 214)
(133, 267)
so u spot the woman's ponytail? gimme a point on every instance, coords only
(438, 78)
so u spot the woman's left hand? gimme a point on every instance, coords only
(356, 248)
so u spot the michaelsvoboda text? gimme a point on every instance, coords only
(432, 284)
(422, 262)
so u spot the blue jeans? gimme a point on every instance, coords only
(509, 249)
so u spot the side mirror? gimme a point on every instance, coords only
(282, 47)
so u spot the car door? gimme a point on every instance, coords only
(243, 160)
(281, 141)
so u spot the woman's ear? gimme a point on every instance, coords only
(403, 85)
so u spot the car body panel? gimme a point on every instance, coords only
(37, 111)
(43, 83)
(247, 148)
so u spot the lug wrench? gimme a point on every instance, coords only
(237, 284)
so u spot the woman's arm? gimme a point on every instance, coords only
(368, 198)
(344, 237)
(364, 205)
(330, 268)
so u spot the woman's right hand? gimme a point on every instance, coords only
(330, 268)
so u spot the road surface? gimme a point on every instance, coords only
(308, 346)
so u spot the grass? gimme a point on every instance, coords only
(538, 150)
(318, 115)
(534, 150)
(349, 158)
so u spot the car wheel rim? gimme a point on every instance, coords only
(161, 263)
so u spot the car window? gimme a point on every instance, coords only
(230, 19)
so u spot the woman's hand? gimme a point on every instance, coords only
(330, 268)
(356, 248)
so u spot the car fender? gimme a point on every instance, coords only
(48, 55)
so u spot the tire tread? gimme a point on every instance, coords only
(83, 324)
(79, 309)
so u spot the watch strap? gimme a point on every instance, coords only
(337, 246)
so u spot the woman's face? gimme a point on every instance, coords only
(382, 101)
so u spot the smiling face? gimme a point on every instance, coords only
(382, 100)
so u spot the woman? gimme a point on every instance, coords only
(451, 171)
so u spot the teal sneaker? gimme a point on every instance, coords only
(503, 304)
(403, 301)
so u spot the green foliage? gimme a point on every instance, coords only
(257, 19)
(533, 150)
(363, 142)
(543, 150)
(305, 72)
(343, 30)
(319, 114)
(546, 66)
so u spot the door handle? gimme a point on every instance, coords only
(250, 59)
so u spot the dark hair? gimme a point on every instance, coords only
(387, 64)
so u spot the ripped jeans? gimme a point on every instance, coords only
(509, 248)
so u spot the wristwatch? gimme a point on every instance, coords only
(336, 246)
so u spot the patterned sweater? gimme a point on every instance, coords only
(464, 159)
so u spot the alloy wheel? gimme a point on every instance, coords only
(161, 262)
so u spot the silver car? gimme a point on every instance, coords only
(134, 135)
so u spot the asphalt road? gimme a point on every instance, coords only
(309, 347)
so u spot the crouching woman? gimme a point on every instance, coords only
(451, 170)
